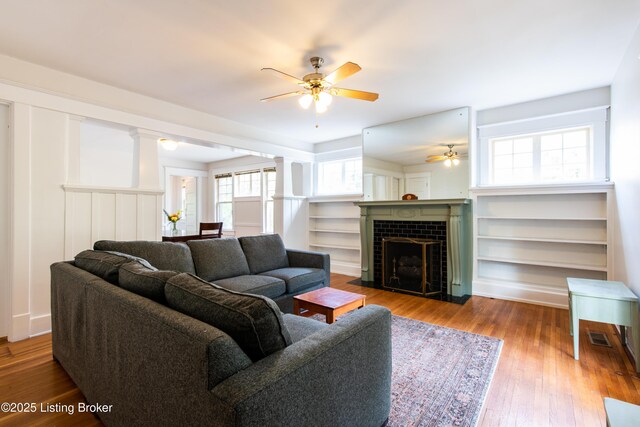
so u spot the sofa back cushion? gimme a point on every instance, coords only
(217, 259)
(253, 321)
(144, 280)
(264, 253)
(105, 264)
(162, 255)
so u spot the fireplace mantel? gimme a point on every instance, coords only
(455, 212)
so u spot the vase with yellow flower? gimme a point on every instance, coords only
(173, 218)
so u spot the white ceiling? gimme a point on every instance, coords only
(422, 56)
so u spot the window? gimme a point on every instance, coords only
(224, 200)
(563, 148)
(340, 176)
(561, 155)
(247, 184)
(269, 191)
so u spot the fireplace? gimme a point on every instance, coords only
(412, 265)
(446, 221)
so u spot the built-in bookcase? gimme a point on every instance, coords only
(334, 228)
(528, 241)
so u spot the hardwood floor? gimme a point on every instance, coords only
(537, 381)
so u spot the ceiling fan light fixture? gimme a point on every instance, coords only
(320, 107)
(324, 98)
(447, 163)
(456, 161)
(305, 101)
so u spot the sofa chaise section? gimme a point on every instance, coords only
(158, 366)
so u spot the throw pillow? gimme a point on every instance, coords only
(144, 280)
(264, 253)
(105, 264)
(253, 321)
(217, 259)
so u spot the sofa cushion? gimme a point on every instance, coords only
(297, 278)
(253, 321)
(264, 253)
(218, 258)
(143, 280)
(268, 286)
(162, 255)
(105, 264)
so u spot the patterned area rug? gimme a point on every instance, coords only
(440, 375)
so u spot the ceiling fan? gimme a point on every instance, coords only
(449, 157)
(318, 88)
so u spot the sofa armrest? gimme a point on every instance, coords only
(340, 375)
(310, 259)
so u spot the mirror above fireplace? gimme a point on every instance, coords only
(394, 157)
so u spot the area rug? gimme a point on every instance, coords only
(440, 375)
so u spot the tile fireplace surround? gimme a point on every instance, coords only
(454, 213)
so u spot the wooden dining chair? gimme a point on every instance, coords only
(210, 230)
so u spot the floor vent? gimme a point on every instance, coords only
(599, 338)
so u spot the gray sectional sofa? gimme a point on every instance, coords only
(253, 264)
(169, 348)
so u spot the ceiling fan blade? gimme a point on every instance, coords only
(342, 72)
(350, 93)
(286, 76)
(433, 159)
(284, 95)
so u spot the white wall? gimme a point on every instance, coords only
(106, 155)
(4, 219)
(575, 101)
(625, 152)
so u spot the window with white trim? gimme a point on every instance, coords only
(560, 155)
(269, 191)
(224, 200)
(339, 176)
(247, 183)
(567, 148)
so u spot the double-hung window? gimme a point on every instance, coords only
(269, 191)
(224, 200)
(247, 183)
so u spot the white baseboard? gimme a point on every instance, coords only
(346, 268)
(521, 292)
(20, 327)
(40, 325)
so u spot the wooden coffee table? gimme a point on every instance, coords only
(328, 301)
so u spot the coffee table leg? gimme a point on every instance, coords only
(330, 316)
(296, 307)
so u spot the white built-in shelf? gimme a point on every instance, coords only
(335, 231)
(332, 217)
(324, 245)
(541, 218)
(544, 263)
(538, 239)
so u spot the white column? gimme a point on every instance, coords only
(283, 177)
(20, 219)
(73, 149)
(289, 211)
(146, 174)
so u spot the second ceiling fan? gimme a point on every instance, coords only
(449, 157)
(318, 88)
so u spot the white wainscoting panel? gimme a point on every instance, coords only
(109, 214)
